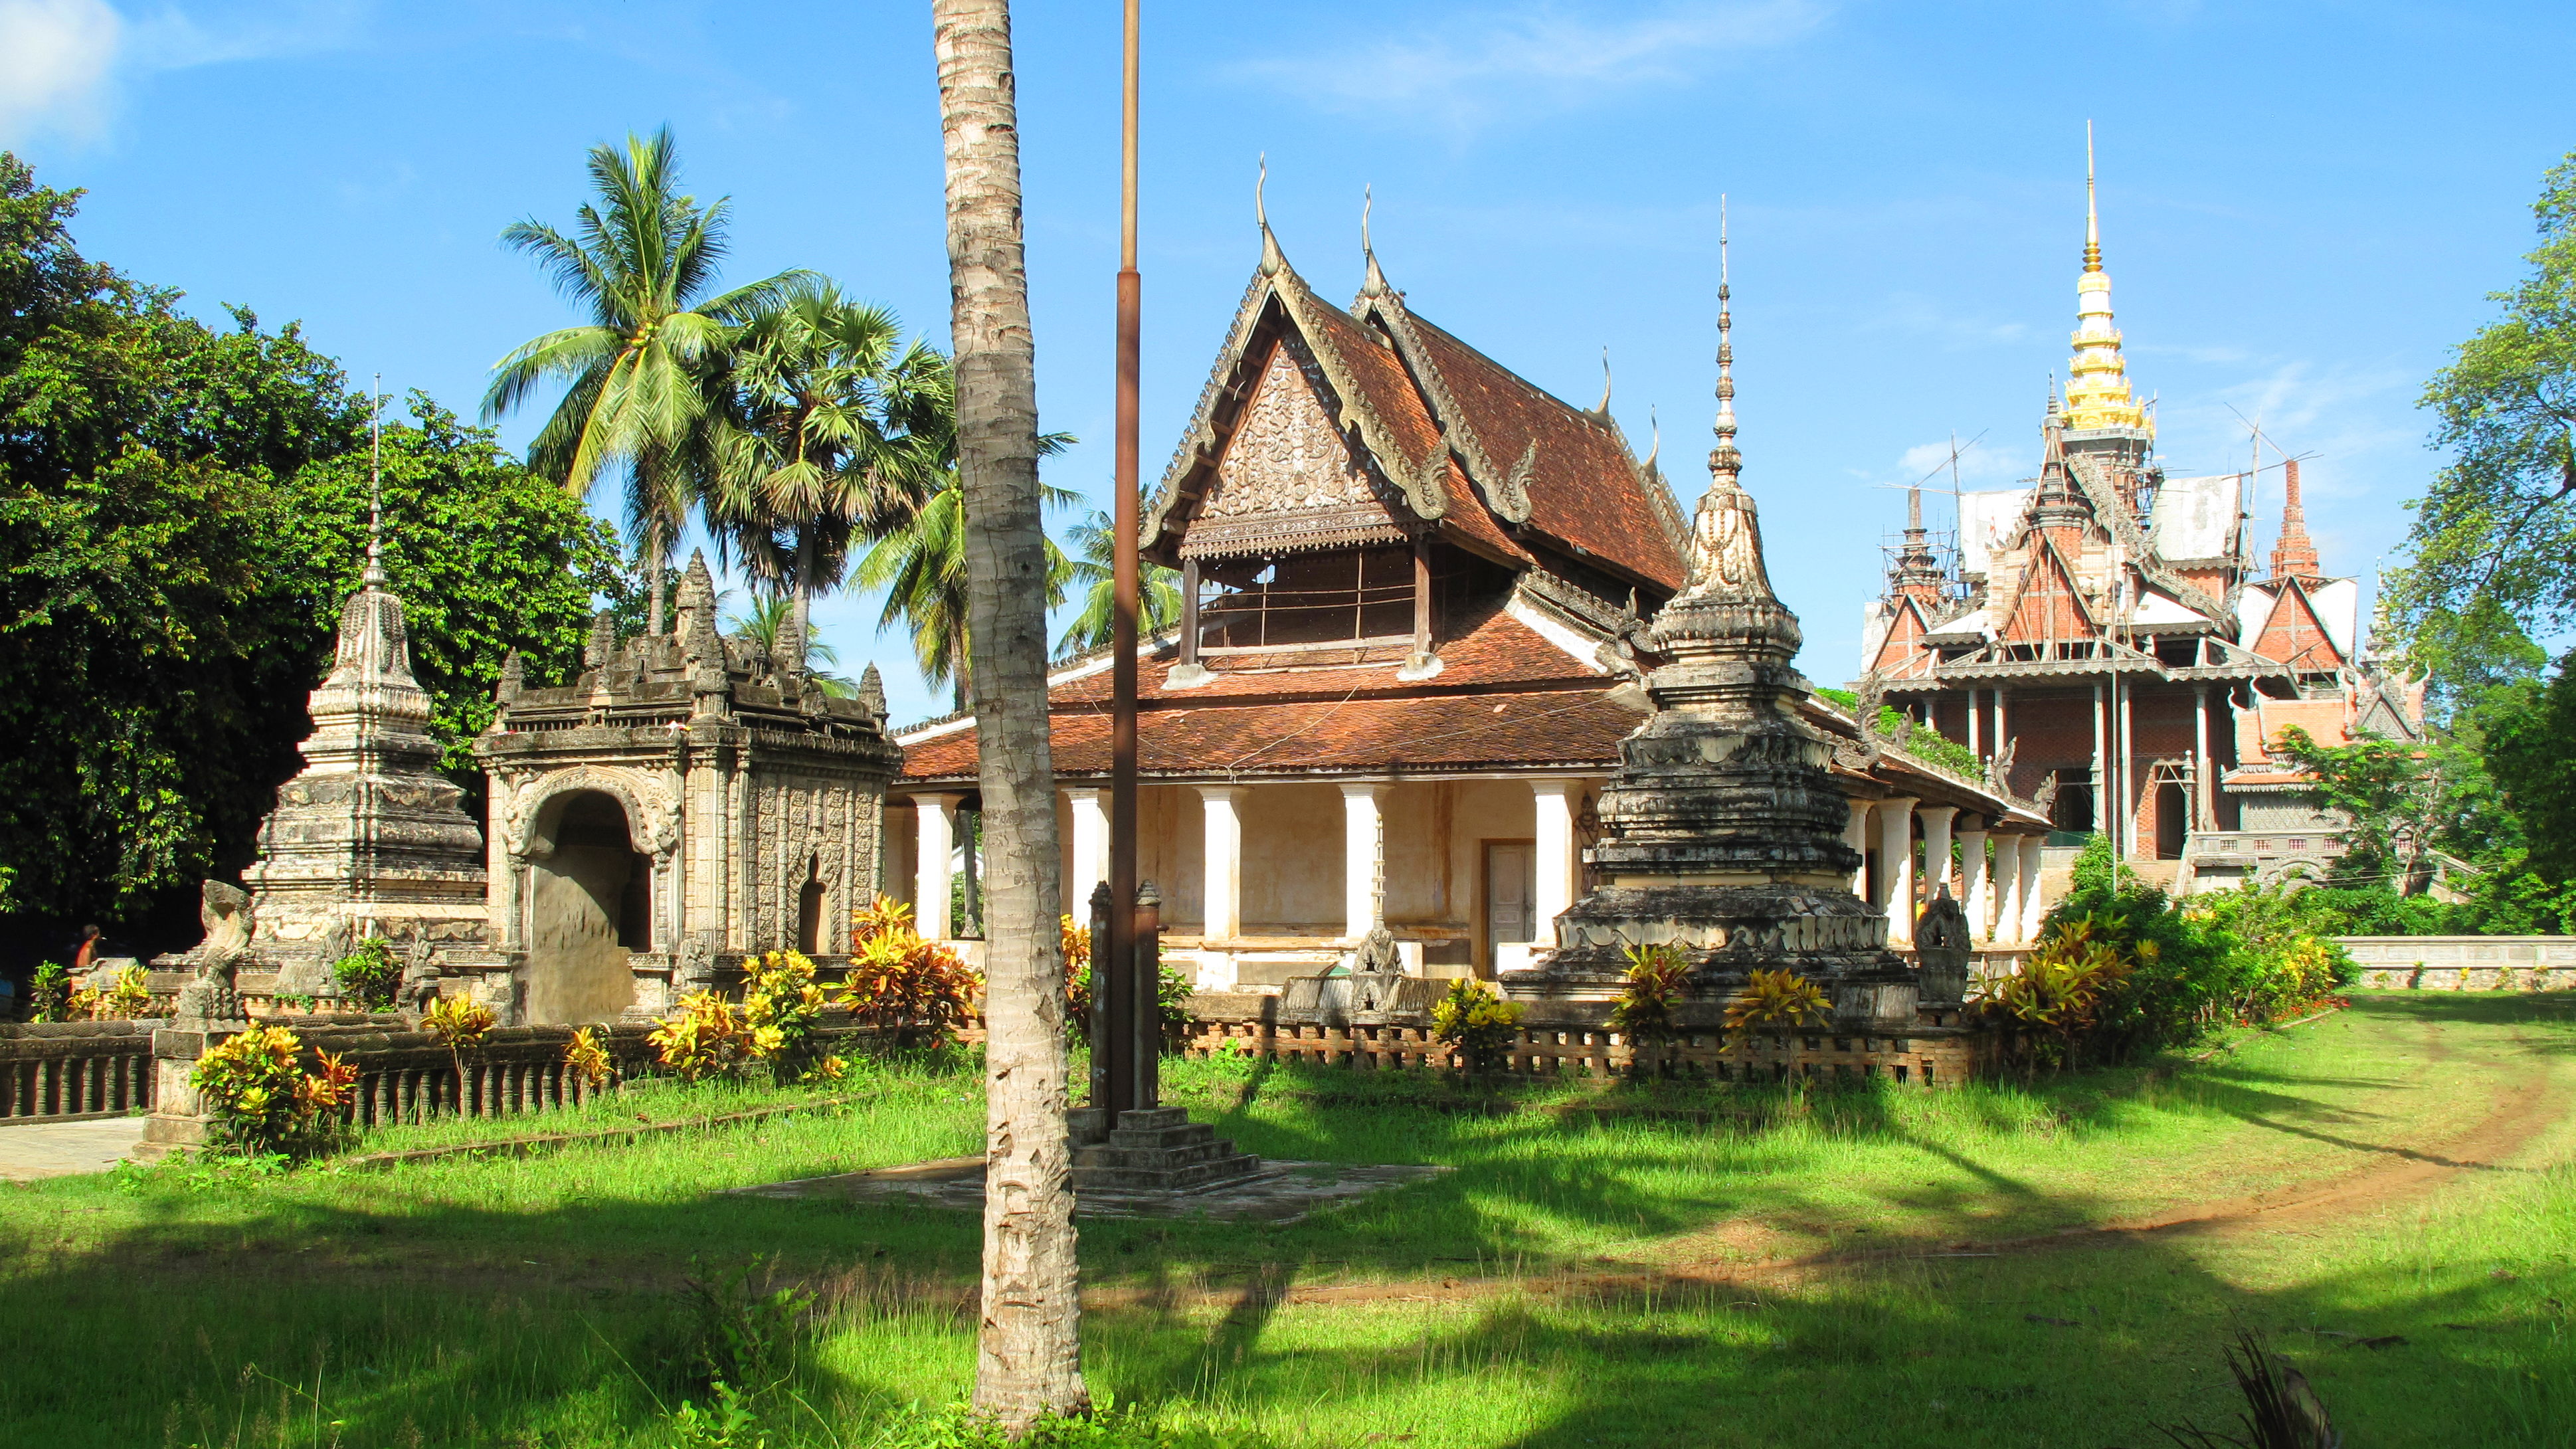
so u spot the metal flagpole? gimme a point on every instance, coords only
(1127, 998)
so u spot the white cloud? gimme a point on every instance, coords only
(1479, 65)
(61, 60)
(56, 63)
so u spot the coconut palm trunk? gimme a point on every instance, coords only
(1028, 1360)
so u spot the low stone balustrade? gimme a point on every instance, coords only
(60, 1071)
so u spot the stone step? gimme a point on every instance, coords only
(1160, 1159)
(1153, 1119)
(1180, 1136)
(1180, 1179)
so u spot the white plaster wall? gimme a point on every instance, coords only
(1292, 860)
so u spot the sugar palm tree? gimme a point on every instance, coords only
(920, 565)
(642, 262)
(829, 428)
(769, 615)
(1093, 570)
(1028, 1360)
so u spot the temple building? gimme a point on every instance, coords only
(2103, 639)
(1416, 593)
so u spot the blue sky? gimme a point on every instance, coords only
(2303, 205)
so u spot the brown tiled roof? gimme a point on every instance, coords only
(1495, 649)
(1584, 489)
(1362, 732)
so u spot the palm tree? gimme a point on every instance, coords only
(641, 262)
(921, 565)
(1158, 590)
(1028, 1361)
(769, 615)
(827, 429)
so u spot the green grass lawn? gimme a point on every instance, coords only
(1582, 1278)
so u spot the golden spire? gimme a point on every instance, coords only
(2097, 390)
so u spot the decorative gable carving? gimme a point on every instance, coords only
(1289, 479)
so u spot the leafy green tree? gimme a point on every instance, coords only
(2494, 541)
(1093, 569)
(182, 512)
(2530, 734)
(638, 376)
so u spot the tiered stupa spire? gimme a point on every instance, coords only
(2097, 388)
(2295, 555)
(1722, 832)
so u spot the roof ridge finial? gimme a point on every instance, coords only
(1655, 435)
(1604, 407)
(1373, 283)
(1271, 257)
(2092, 214)
(1725, 462)
(375, 574)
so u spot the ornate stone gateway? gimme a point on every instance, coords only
(686, 800)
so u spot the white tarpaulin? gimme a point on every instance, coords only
(2196, 517)
(1986, 522)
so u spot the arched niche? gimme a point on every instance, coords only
(590, 905)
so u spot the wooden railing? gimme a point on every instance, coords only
(69, 1070)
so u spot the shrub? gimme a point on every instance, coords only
(1658, 978)
(2057, 993)
(1775, 998)
(901, 983)
(586, 1059)
(50, 992)
(1476, 1024)
(369, 974)
(263, 1099)
(781, 1007)
(705, 1037)
(128, 995)
(458, 1021)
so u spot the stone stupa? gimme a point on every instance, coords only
(369, 838)
(1721, 833)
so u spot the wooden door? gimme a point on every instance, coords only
(1511, 886)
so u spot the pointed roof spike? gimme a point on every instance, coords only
(1655, 448)
(1373, 282)
(1603, 407)
(1272, 260)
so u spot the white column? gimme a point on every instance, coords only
(1557, 802)
(1936, 848)
(1976, 736)
(1978, 897)
(2202, 816)
(1896, 867)
(2101, 763)
(1224, 856)
(1363, 857)
(2030, 905)
(934, 836)
(2007, 889)
(1090, 849)
(2127, 844)
(1856, 835)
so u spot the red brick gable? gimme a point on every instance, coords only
(2048, 606)
(1901, 654)
(2294, 636)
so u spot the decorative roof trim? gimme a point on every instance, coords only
(1508, 497)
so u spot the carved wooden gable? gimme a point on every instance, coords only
(1289, 478)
